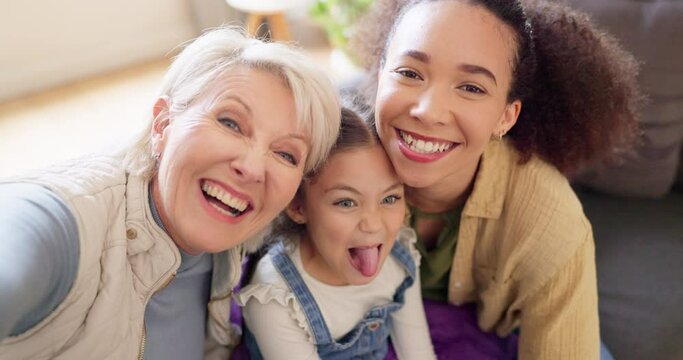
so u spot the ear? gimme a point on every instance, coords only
(296, 210)
(508, 119)
(159, 124)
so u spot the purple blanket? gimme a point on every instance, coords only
(454, 332)
(455, 335)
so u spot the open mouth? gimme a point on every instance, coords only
(424, 145)
(365, 259)
(224, 202)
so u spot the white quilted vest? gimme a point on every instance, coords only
(124, 259)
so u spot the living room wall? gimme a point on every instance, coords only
(51, 42)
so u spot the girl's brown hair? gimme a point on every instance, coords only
(354, 132)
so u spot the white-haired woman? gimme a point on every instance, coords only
(118, 256)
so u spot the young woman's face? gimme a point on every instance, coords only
(230, 162)
(353, 211)
(443, 89)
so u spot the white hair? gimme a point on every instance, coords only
(217, 51)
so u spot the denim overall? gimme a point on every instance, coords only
(368, 340)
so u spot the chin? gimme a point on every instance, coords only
(208, 247)
(362, 280)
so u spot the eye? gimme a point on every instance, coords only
(408, 74)
(391, 199)
(288, 157)
(345, 203)
(473, 89)
(230, 123)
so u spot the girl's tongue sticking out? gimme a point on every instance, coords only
(365, 259)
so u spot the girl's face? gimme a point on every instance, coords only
(353, 210)
(230, 162)
(442, 91)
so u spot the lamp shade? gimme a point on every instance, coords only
(265, 6)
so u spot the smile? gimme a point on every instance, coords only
(423, 149)
(223, 201)
(423, 145)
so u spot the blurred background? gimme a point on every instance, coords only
(78, 76)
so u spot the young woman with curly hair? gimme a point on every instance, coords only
(484, 106)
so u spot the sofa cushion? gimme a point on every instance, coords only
(639, 255)
(649, 29)
(679, 182)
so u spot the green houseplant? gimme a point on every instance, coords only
(337, 17)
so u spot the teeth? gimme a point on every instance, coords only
(222, 211)
(424, 147)
(224, 197)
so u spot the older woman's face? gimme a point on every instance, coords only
(443, 91)
(229, 163)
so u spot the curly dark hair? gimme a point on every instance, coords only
(577, 85)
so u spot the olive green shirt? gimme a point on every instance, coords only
(435, 266)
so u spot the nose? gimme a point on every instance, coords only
(433, 106)
(250, 167)
(371, 221)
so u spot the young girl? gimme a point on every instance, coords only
(341, 277)
(483, 106)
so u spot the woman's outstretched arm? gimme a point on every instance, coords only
(39, 253)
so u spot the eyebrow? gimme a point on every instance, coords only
(353, 190)
(476, 69)
(343, 187)
(393, 186)
(468, 68)
(299, 137)
(238, 100)
(417, 55)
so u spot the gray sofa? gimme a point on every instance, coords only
(636, 207)
(639, 253)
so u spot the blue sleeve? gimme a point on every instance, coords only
(39, 252)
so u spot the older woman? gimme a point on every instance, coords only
(118, 256)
